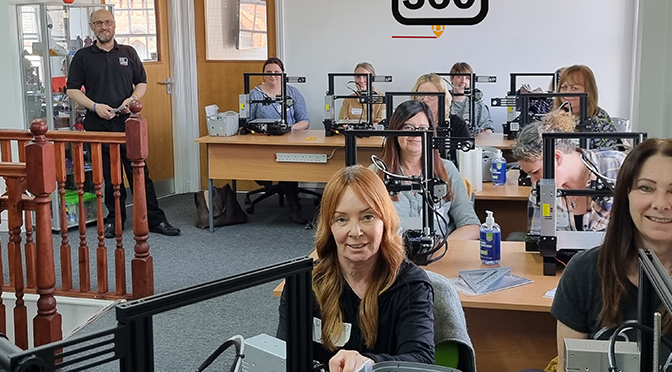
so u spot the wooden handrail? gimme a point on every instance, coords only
(44, 167)
(13, 170)
(66, 136)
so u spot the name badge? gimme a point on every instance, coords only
(356, 110)
(345, 333)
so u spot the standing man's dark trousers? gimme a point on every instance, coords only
(155, 215)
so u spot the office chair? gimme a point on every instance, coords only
(269, 189)
(453, 345)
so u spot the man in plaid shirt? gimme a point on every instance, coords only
(571, 172)
(607, 163)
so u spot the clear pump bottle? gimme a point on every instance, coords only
(491, 241)
(498, 169)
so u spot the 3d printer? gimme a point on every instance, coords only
(472, 93)
(421, 244)
(550, 241)
(276, 126)
(367, 98)
(447, 144)
(514, 121)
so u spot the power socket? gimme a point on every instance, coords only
(284, 157)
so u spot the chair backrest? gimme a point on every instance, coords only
(450, 327)
(470, 189)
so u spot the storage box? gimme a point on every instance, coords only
(223, 124)
(72, 206)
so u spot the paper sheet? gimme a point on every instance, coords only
(211, 110)
(508, 281)
(551, 293)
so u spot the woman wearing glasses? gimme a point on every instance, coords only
(403, 156)
(429, 83)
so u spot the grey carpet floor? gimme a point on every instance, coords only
(183, 338)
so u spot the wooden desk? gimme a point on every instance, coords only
(508, 202)
(252, 157)
(496, 140)
(511, 329)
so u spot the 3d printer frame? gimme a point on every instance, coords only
(524, 118)
(512, 100)
(547, 192)
(132, 341)
(468, 92)
(447, 151)
(422, 247)
(248, 126)
(654, 288)
(653, 280)
(369, 98)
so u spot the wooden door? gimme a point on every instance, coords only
(221, 82)
(157, 107)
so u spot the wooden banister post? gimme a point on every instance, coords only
(41, 178)
(137, 149)
(15, 220)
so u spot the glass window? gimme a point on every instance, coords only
(136, 26)
(236, 30)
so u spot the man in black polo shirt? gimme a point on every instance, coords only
(113, 76)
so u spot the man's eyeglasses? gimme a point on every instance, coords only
(108, 23)
(410, 127)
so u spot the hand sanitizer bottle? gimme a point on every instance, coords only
(498, 170)
(491, 241)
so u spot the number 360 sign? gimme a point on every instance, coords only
(439, 12)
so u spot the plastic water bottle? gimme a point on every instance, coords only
(498, 170)
(491, 241)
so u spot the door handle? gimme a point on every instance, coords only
(169, 85)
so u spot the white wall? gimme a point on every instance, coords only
(653, 91)
(516, 36)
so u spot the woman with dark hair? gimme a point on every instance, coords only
(462, 104)
(371, 302)
(297, 119)
(598, 289)
(403, 155)
(352, 109)
(580, 79)
(297, 114)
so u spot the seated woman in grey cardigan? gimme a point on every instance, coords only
(403, 155)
